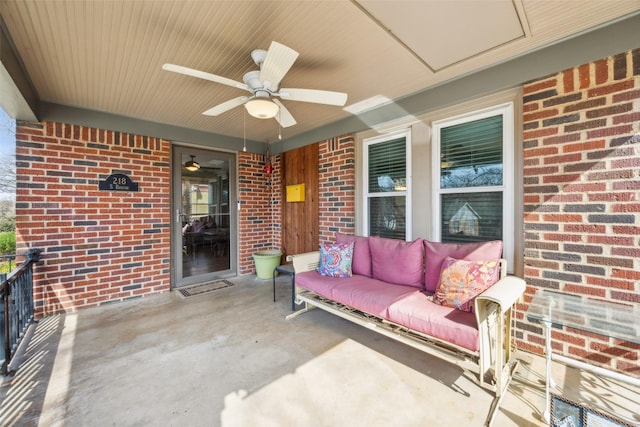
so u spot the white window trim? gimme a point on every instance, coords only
(406, 134)
(508, 183)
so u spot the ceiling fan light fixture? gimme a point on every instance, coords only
(262, 108)
(192, 165)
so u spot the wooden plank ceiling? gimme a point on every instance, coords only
(107, 55)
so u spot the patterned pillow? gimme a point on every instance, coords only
(436, 252)
(335, 260)
(461, 281)
(361, 253)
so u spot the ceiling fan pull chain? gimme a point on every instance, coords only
(244, 129)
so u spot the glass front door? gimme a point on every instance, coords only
(204, 226)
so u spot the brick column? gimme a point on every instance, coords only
(337, 187)
(260, 210)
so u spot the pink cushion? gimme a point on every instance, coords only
(371, 295)
(397, 261)
(448, 324)
(436, 252)
(322, 285)
(461, 281)
(361, 263)
(360, 292)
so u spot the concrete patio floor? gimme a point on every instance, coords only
(229, 358)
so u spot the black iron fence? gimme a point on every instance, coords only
(16, 312)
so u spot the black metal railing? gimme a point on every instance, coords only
(16, 312)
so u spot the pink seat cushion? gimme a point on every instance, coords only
(371, 296)
(360, 292)
(436, 252)
(416, 312)
(322, 285)
(361, 263)
(397, 261)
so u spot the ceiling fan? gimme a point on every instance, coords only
(264, 86)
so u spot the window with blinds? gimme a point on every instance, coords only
(386, 186)
(473, 177)
(471, 154)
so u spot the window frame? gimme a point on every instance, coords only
(406, 134)
(508, 173)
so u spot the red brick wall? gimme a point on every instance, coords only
(582, 197)
(260, 212)
(275, 181)
(261, 197)
(101, 246)
(97, 245)
(337, 187)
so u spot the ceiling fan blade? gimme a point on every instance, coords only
(284, 117)
(226, 106)
(313, 95)
(276, 64)
(204, 75)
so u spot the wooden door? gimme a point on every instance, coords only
(300, 220)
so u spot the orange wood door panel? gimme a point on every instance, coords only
(300, 227)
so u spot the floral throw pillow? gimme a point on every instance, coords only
(336, 259)
(461, 281)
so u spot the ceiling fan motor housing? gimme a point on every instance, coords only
(258, 56)
(252, 79)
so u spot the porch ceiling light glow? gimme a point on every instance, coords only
(192, 165)
(262, 108)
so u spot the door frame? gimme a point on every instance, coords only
(177, 150)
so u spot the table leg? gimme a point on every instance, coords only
(274, 285)
(548, 382)
(293, 292)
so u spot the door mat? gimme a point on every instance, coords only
(205, 287)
